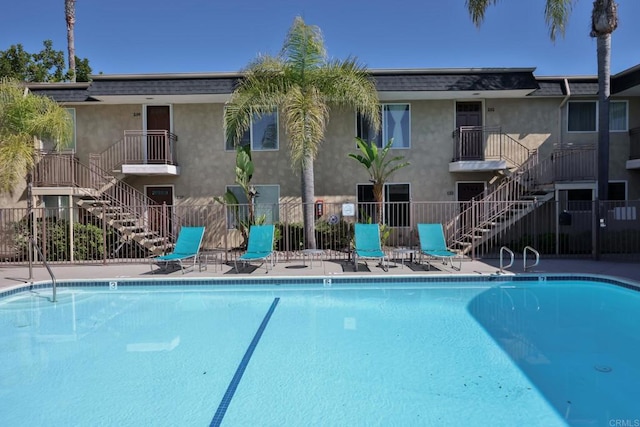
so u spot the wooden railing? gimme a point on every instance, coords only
(139, 147)
(488, 143)
(634, 143)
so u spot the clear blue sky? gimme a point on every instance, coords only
(144, 36)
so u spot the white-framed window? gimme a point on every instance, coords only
(618, 116)
(396, 124)
(265, 203)
(582, 116)
(262, 133)
(396, 207)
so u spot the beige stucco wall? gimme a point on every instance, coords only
(206, 167)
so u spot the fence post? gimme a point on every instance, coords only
(104, 234)
(71, 233)
(473, 228)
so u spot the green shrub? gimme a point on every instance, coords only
(52, 236)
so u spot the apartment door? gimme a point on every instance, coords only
(158, 118)
(467, 191)
(470, 137)
(160, 212)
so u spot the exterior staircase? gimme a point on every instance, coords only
(109, 199)
(517, 194)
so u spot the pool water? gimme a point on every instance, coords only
(512, 353)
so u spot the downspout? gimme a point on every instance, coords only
(562, 104)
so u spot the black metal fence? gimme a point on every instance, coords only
(554, 229)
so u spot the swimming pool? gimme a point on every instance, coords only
(490, 351)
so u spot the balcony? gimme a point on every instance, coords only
(141, 152)
(634, 149)
(482, 149)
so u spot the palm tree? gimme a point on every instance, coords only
(604, 21)
(23, 118)
(70, 16)
(379, 168)
(303, 84)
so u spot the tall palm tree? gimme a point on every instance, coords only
(604, 21)
(70, 16)
(303, 84)
(23, 118)
(379, 167)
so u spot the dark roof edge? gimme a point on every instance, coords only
(165, 76)
(82, 85)
(449, 70)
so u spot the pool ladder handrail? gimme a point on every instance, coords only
(46, 264)
(511, 254)
(524, 258)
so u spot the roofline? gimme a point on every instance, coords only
(574, 77)
(449, 70)
(633, 69)
(58, 85)
(165, 76)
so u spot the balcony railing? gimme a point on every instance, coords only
(139, 147)
(574, 164)
(488, 143)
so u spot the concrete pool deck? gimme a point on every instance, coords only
(14, 276)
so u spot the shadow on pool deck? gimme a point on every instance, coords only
(11, 276)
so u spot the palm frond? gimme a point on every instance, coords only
(477, 9)
(306, 115)
(260, 90)
(347, 83)
(17, 153)
(556, 15)
(304, 47)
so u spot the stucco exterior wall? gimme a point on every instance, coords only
(206, 168)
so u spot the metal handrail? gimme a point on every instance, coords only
(524, 258)
(46, 264)
(502, 250)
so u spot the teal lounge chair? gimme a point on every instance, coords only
(433, 244)
(260, 246)
(186, 249)
(367, 245)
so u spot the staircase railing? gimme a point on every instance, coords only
(138, 147)
(576, 163)
(95, 182)
(488, 143)
(501, 196)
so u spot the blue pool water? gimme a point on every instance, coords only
(477, 353)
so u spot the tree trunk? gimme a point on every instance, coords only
(378, 196)
(308, 207)
(70, 15)
(604, 91)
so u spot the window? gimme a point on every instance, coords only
(396, 204)
(262, 133)
(618, 118)
(617, 190)
(56, 207)
(265, 203)
(396, 124)
(583, 116)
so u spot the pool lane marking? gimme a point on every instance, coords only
(233, 385)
